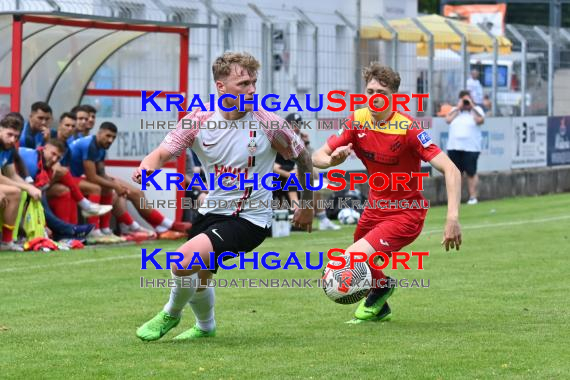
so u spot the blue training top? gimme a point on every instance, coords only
(30, 158)
(83, 149)
(29, 139)
(6, 157)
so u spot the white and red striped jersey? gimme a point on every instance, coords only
(248, 149)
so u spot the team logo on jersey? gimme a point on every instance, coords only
(252, 146)
(396, 146)
(425, 139)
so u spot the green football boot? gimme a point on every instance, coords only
(195, 333)
(375, 301)
(385, 315)
(158, 326)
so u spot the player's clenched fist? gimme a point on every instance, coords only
(340, 154)
(137, 174)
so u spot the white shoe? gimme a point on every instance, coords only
(140, 230)
(326, 224)
(472, 201)
(95, 234)
(112, 238)
(11, 246)
(96, 209)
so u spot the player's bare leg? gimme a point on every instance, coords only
(10, 205)
(187, 282)
(472, 183)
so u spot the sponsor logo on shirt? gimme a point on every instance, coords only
(425, 139)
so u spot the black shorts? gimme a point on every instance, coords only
(465, 161)
(228, 234)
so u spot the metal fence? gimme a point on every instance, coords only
(307, 52)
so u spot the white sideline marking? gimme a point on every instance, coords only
(518, 223)
(123, 257)
(77, 262)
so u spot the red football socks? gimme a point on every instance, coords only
(155, 218)
(95, 198)
(106, 199)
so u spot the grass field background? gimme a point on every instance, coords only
(499, 308)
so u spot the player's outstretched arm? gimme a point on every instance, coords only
(452, 233)
(303, 218)
(155, 160)
(325, 157)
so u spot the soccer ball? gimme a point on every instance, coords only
(348, 216)
(347, 286)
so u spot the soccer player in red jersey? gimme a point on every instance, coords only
(393, 144)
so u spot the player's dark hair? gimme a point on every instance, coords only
(16, 115)
(108, 126)
(383, 75)
(295, 120)
(69, 115)
(58, 144)
(463, 93)
(12, 123)
(41, 106)
(80, 108)
(88, 108)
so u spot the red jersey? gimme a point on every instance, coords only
(396, 146)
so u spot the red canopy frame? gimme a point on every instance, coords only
(75, 20)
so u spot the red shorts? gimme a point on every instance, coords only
(77, 180)
(389, 232)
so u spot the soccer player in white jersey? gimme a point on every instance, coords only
(238, 229)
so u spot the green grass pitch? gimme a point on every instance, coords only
(499, 308)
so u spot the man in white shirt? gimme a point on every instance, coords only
(475, 88)
(464, 143)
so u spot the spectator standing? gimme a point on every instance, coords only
(464, 143)
(475, 88)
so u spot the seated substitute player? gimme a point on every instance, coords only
(92, 111)
(391, 147)
(33, 134)
(60, 228)
(11, 184)
(40, 163)
(87, 158)
(236, 229)
(19, 164)
(66, 192)
(82, 120)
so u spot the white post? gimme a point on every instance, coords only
(548, 40)
(523, 42)
(431, 53)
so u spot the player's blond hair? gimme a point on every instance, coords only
(222, 66)
(383, 74)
